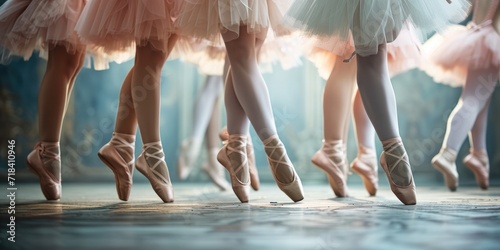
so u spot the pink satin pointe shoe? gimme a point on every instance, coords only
(254, 174)
(151, 163)
(444, 162)
(365, 165)
(282, 169)
(215, 171)
(394, 161)
(478, 162)
(233, 157)
(115, 155)
(335, 170)
(45, 162)
(187, 157)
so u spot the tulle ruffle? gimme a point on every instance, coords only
(402, 55)
(27, 26)
(373, 22)
(448, 57)
(206, 19)
(119, 25)
(283, 51)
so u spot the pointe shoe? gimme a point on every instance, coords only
(189, 152)
(335, 170)
(215, 171)
(282, 168)
(111, 155)
(235, 149)
(157, 174)
(365, 165)
(46, 164)
(478, 162)
(444, 162)
(254, 174)
(395, 155)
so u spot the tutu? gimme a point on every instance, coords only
(210, 59)
(402, 55)
(448, 57)
(34, 25)
(373, 22)
(206, 19)
(120, 25)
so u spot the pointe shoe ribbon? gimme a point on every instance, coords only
(157, 174)
(46, 164)
(405, 193)
(240, 179)
(113, 155)
(335, 170)
(292, 189)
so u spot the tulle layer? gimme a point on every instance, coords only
(373, 22)
(402, 55)
(208, 59)
(120, 25)
(27, 26)
(206, 19)
(285, 51)
(448, 57)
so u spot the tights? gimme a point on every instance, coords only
(246, 93)
(470, 114)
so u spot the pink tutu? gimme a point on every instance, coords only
(285, 51)
(34, 25)
(402, 55)
(206, 19)
(120, 25)
(209, 59)
(448, 57)
(26, 26)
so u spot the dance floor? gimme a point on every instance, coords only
(90, 216)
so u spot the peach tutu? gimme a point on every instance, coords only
(448, 57)
(402, 55)
(206, 19)
(119, 25)
(373, 22)
(27, 26)
(285, 51)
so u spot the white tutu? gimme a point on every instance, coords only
(373, 22)
(206, 19)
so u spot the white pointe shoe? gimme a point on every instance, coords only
(444, 162)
